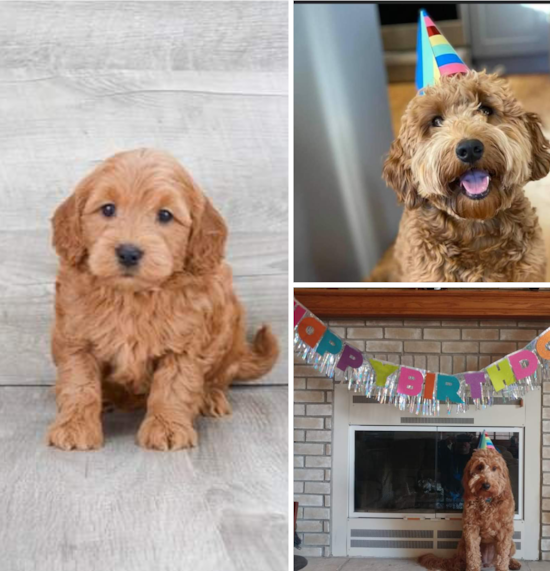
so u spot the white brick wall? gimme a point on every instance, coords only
(445, 346)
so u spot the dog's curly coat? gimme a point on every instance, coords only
(167, 327)
(446, 235)
(487, 519)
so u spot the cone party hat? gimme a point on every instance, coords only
(434, 54)
(485, 442)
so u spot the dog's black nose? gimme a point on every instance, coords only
(128, 255)
(486, 486)
(470, 150)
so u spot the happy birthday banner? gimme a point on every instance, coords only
(417, 390)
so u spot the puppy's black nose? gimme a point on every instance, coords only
(128, 255)
(485, 486)
(470, 150)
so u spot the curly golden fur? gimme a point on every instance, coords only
(487, 519)
(165, 327)
(446, 235)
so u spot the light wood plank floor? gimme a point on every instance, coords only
(220, 507)
(534, 93)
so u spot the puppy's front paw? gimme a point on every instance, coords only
(215, 404)
(76, 433)
(159, 433)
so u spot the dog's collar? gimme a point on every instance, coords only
(488, 500)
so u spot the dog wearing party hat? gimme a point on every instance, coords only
(465, 151)
(487, 519)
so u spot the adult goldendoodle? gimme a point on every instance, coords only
(487, 519)
(145, 307)
(465, 151)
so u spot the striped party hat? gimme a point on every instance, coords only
(485, 442)
(434, 54)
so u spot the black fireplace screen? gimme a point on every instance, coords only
(419, 472)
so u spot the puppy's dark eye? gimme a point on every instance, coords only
(164, 216)
(108, 210)
(486, 110)
(480, 467)
(437, 121)
(494, 468)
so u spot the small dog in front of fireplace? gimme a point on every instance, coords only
(487, 519)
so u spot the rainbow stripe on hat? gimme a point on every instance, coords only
(485, 442)
(434, 54)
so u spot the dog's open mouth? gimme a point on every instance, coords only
(475, 183)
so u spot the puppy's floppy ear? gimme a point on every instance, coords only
(466, 481)
(397, 174)
(67, 231)
(540, 161)
(206, 247)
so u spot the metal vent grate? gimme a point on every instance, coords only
(406, 533)
(393, 544)
(428, 420)
(447, 544)
(449, 534)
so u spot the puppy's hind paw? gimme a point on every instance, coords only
(75, 434)
(515, 564)
(158, 433)
(215, 404)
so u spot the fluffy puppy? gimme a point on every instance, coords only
(487, 519)
(465, 150)
(144, 305)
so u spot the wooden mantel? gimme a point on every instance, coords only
(458, 303)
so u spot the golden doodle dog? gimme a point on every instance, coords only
(145, 307)
(487, 519)
(465, 150)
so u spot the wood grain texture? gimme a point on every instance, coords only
(144, 35)
(456, 303)
(222, 506)
(81, 80)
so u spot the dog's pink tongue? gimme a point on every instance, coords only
(475, 181)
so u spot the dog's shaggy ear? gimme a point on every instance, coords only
(207, 242)
(397, 174)
(67, 232)
(468, 495)
(540, 163)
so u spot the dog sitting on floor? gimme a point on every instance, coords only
(465, 150)
(145, 308)
(487, 519)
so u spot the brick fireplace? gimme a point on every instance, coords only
(328, 419)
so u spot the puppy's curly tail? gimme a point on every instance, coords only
(258, 359)
(430, 561)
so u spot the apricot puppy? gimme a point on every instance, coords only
(487, 518)
(459, 165)
(145, 308)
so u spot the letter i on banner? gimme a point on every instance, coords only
(429, 386)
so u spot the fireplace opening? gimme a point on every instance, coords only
(399, 470)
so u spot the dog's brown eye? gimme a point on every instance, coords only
(486, 110)
(164, 216)
(108, 210)
(494, 468)
(480, 467)
(437, 121)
